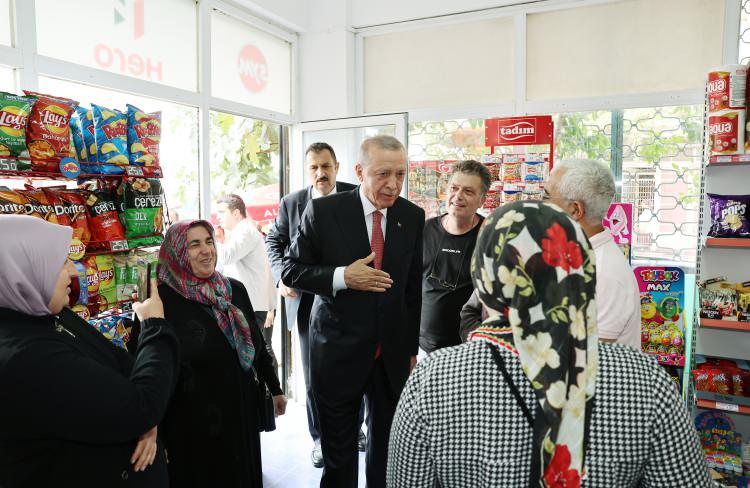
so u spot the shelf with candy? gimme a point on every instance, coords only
(724, 305)
(515, 177)
(725, 452)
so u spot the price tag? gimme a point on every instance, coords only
(134, 170)
(8, 165)
(116, 246)
(729, 407)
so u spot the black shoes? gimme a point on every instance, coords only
(362, 441)
(317, 455)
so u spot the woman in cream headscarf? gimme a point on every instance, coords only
(75, 410)
(533, 400)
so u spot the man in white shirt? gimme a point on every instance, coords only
(242, 253)
(585, 188)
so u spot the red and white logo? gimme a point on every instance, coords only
(518, 132)
(253, 69)
(718, 85)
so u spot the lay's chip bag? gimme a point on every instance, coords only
(86, 120)
(111, 128)
(144, 135)
(107, 281)
(48, 131)
(76, 134)
(14, 117)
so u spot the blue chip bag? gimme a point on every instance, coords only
(86, 119)
(111, 127)
(144, 135)
(77, 136)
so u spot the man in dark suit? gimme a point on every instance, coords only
(322, 167)
(360, 252)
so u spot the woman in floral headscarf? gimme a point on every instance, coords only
(210, 429)
(533, 400)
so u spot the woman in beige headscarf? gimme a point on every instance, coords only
(75, 410)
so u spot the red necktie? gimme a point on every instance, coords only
(377, 243)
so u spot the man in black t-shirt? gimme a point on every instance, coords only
(449, 241)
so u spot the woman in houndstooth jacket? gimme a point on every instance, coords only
(533, 400)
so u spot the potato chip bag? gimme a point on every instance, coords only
(143, 207)
(40, 204)
(107, 284)
(111, 129)
(48, 131)
(729, 215)
(103, 219)
(76, 134)
(120, 263)
(12, 202)
(144, 134)
(14, 117)
(71, 211)
(86, 119)
(131, 282)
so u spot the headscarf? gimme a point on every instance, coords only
(533, 268)
(33, 254)
(215, 291)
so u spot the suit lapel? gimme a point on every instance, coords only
(302, 203)
(351, 221)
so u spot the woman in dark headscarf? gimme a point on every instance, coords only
(73, 406)
(533, 400)
(211, 427)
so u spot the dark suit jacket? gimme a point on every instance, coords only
(284, 231)
(345, 329)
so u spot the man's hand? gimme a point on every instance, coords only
(269, 319)
(359, 276)
(287, 292)
(145, 451)
(412, 363)
(219, 235)
(279, 405)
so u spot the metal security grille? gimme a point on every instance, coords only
(655, 154)
(744, 43)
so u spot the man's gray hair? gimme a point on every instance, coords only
(383, 142)
(588, 181)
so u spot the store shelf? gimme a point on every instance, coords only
(725, 324)
(146, 172)
(727, 242)
(733, 160)
(726, 407)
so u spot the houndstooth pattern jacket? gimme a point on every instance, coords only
(458, 425)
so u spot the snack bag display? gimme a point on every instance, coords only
(144, 135)
(511, 172)
(662, 291)
(103, 218)
(86, 119)
(107, 284)
(143, 209)
(12, 202)
(721, 443)
(729, 215)
(71, 211)
(76, 134)
(40, 204)
(111, 128)
(14, 117)
(48, 131)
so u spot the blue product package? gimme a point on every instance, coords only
(111, 128)
(144, 135)
(77, 135)
(86, 119)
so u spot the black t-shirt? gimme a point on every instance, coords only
(446, 283)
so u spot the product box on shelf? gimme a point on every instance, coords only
(662, 292)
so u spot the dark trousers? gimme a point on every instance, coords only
(303, 330)
(339, 427)
(260, 317)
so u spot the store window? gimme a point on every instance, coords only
(6, 23)
(245, 160)
(7, 80)
(250, 66)
(178, 149)
(745, 32)
(661, 170)
(154, 41)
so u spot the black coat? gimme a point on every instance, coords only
(210, 429)
(346, 329)
(283, 232)
(73, 405)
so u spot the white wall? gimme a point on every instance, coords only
(291, 14)
(367, 13)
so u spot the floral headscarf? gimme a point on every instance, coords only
(533, 268)
(216, 291)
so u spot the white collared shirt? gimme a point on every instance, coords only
(618, 301)
(338, 275)
(317, 194)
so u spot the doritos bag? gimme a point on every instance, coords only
(48, 132)
(14, 117)
(40, 204)
(144, 135)
(13, 203)
(111, 128)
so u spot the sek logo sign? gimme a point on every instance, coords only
(252, 68)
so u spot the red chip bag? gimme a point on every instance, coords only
(71, 211)
(40, 204)
(48, 131)
(103, 218)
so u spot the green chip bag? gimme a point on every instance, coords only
(120, 262)
(14, 116)
(131, 278)
(107, 283)
(143, 212)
